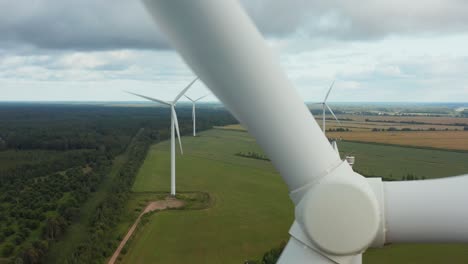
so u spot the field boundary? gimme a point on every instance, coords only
(406, 146)
(230, 129)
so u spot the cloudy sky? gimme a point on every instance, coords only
(377, 50)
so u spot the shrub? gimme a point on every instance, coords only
(18, 239)
(8, 231)
(8, 249)
(272, 256)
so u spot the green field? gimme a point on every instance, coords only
(395, 162)
(234, 229)
(252, 211)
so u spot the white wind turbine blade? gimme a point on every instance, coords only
(324, 118)
(150, 98)
(331, 111)
(328, 93)
(176, 124)
(291, 138)
(199, 98)
(184, 90)
(189, 98)
(427, 211)
(241, 92)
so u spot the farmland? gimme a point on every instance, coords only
(252, 211)
(245, 219)
(414, 131)
(419, 119)
(68, 189)
(454, 140)
(396, 162)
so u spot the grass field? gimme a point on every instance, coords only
(396, 162)
(250, 215)
(252, 211)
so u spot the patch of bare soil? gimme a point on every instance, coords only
(163, 204)
(167, 203)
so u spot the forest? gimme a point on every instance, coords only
(54, 156)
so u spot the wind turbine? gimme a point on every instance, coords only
(174, 124)
(338, 213)
(325, 106)
(193, 112)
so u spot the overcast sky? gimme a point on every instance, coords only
(377, 50)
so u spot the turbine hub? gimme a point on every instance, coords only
(340, 215)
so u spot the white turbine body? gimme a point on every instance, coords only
(193, 112)
(339, 213)
(174, 129)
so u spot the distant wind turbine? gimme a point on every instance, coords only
(326, 106)
(174, 125)
(193, 112)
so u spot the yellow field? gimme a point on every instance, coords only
(368, 126)
(455, 140)
(232, 127)
(359, 123)
(425, 119)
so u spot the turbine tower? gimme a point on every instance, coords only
(339, 214)
(193, 112)
(174, 126)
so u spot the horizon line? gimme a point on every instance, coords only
(219, 102)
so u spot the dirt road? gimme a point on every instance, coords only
(152, 206)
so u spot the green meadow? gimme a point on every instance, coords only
(251, 210)
(395, 161)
